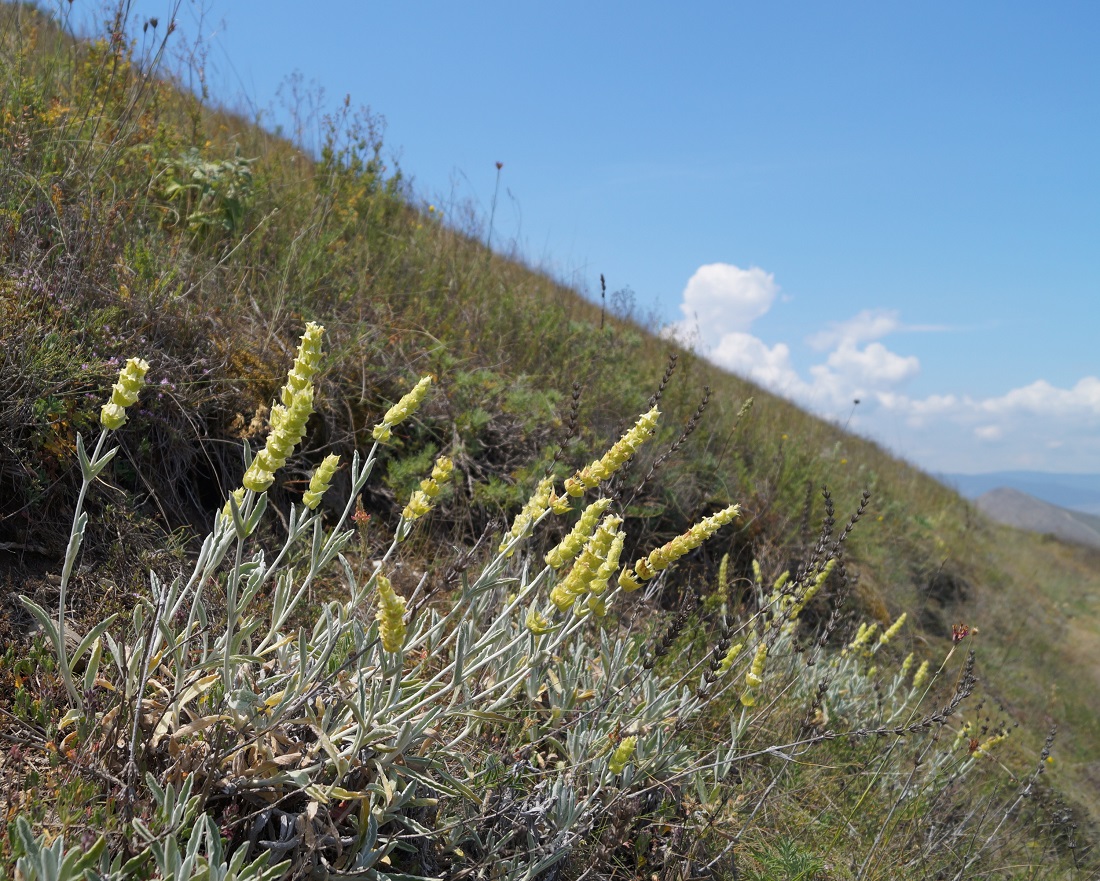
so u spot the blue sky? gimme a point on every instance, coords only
(899, 202)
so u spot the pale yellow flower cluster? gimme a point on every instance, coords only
(624, 752)
(892, 631)
(543, 498)
(124, 393)
(793, 605)
(423, 499)
(572, 544)
(731, 656)
(614, 459)
(755, 677)
(921, 676)
(592, 572)
(390, 616)
(401, 411)
(288, 418)
(862, 637)
(648, 568)
(320, 481)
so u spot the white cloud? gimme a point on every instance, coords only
(870, 324)
(721, 298)
(749, 356)
(1038, 425)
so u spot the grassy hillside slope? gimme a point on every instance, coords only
(138, 221)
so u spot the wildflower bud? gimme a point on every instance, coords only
(572, 544)
(561, 504)
(614, 459)
(596, 604)
(441, 471)
(538, 623)
(422, 499)
(906, 665)
(623, 753)
(400, 411)
(757, 574)
(390, 616)
(319, 482)
(628, 580)
(238, 497)
(921, 675)
(420, 503)
(124, 393)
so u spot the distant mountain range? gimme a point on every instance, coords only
(1014, 508)
(1078, 492)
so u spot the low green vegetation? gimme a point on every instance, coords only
(516, 629)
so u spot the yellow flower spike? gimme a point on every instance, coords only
(320, 481)
(608, 567)
(757, 574)
(812, 590)
(538, 623)
(891, 631)
(723, 577)
(863, 636)
(731, 656)
(921, 675)
(628, 580)
(288, 427)
(306, 362)
(907, 665)
(668, 554)
(535, 508)
(572, 544)
(390, 616)
(614, 459)
(991, 742)
(622, 755)
(401, 411)
(755, 677)
(124, 393)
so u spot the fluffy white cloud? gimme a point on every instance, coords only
(1038, 425)
(749, 356)
(720, 303)
(722, 298)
